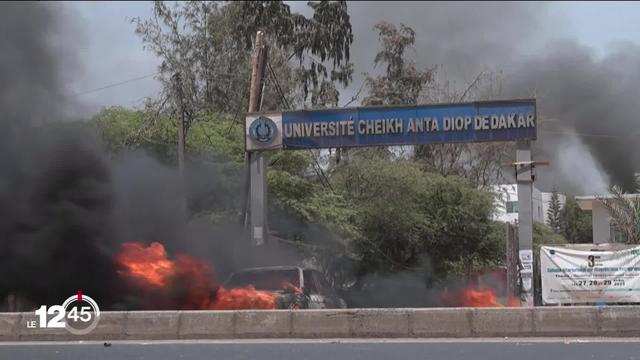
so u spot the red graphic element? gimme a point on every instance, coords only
(79, 295)
(184, 282)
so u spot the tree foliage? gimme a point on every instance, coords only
(625, 213)
(213, 135)
(480, 163)
(325, 37)
(407, 216)
(575, 223)
(553, 213)
(206, 49)
(402, 83)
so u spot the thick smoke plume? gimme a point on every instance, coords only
(65, 206)
(577, 168)
(595, 97)
(577, 91)
(55, 190)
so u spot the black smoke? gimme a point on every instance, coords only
(66, 204)
(595, 97)
(55, 191)
(587, 102)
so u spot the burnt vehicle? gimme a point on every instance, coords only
(296, 287)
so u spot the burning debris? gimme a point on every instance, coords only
(147, 264)
(470, 297)
(187, 282)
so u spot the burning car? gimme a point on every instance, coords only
(295, 287)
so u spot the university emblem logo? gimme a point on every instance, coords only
(263, 130)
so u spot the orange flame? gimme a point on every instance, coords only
(184, 283)
(243, 299)
(149, 264)
(477, 298)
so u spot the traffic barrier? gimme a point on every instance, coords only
(343, 323)
(321, 324)
(618, 321)
(580, 321)
(440, 322)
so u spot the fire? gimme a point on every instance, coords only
(479, 298)
(243, 298)
(147, 264)
(471, 297)
(183, 283)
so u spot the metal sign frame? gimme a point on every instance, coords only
(264, 132)
(480, 121)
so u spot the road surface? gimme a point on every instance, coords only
(370, 349)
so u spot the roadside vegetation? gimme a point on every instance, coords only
(421, 210)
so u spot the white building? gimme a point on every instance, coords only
(603, 231)
(506, 204)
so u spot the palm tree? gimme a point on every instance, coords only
(625, 212)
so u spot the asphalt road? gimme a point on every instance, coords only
(476, 349)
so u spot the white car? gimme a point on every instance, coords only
(296, 287)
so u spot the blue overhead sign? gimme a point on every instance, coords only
(405, 125)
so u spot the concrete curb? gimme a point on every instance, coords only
(623, 321)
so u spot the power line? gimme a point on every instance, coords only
(109, 86)
(115, 84)
(278, 87)
(317, 166)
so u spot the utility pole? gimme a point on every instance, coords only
(256, 182)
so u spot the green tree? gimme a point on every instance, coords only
(118, 127)
(553, 213)
(206, 48)
(406, 216)
(479, 163)
(575, 223)
(320, 44)
(215, 135)
(402, 83)
(625, 213)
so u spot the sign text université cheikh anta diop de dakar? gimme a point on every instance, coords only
(396, 125)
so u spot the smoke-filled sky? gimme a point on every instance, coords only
(580, 60)
(112, 53)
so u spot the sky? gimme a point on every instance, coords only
(111, 53)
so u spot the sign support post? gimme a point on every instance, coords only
(524, 179)
(257, 174)
(506, 120)
(258, 200)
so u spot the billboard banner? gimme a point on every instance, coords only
(585, 273)
(506, 120)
